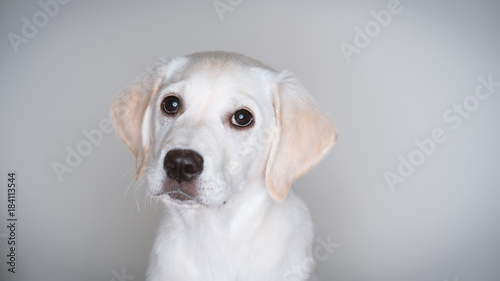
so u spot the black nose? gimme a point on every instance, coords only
(183, 164)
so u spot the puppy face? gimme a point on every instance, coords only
(207, 125)
(211, 118)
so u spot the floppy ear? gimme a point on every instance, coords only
(302, 137)
(128, 113)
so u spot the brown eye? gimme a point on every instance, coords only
(170, 105)
(242, 118)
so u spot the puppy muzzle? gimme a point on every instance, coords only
(182, 166)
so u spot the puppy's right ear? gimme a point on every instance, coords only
(128, 112)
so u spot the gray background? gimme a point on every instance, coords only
(442, 223)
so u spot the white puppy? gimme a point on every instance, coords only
(220, 138)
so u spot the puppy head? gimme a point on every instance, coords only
(205, 126)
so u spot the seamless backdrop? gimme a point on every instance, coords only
(411, 191)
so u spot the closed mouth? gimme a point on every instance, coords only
(179, 195)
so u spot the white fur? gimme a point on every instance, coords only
(233, 229)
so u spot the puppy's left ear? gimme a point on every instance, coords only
(303, 135)
(128, 113)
